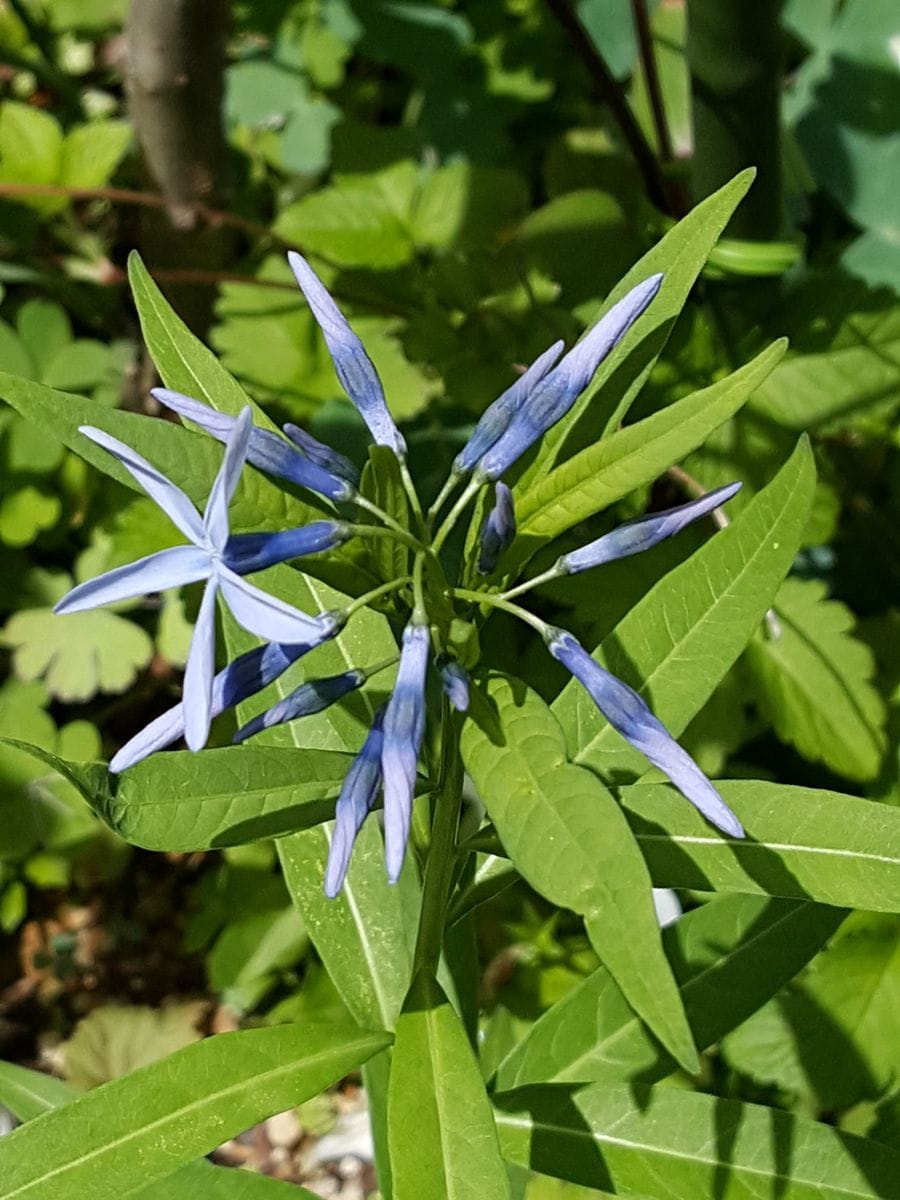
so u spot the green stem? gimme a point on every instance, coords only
(441, 851)
(375, 594)
(370, 507)
(449, 484)
(420, 608)
(455, 513)
(495, 601)
(412, 495)
(545, 577)
(398, 535)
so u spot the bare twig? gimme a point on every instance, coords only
(651, 77)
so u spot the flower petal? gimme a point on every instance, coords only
(267, 617)
(198, 675)
(215, 518)
(354, 368)
(165, 569)
(170, 498)
(404, 725)
(355, 802)
(248, 552)
(308, 698)
(498, 530)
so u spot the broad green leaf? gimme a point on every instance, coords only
(382, 483)
(252, 953)
(148, 1124)
(443, 1142)
(636, 455)
(184, 363)
(31, 149)
(676, 644)
(833, 1035)
(181, 801)
(28, 1094)
(117, 1038)
(92, 152)
(801, 842)
(568, 838)
(667, 1144)
(680, 256)
(813, 682)
(189, 460)
(843, 367)
(27, 512)
(77, 655)
(729, 957)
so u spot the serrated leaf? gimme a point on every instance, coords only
(675, 646)
(27, 512)
(91, 153)
(664, 1143)
(115, 1039)
(77, 655)
(680, 256)
(567, 836)
(803, 843)
(729, 957)
(31, 148)
(813, 681)
(635, 455)
(442, 1136)
(123, 1135)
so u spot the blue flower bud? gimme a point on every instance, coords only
(630, 716)
(552, 398)
(355, 802)
(248, 552)
(643, 532)
(404, 726)
(354, 368)
(455, 680)
(266, 450)
(305, 700)
(498, 530)
(498, 415)
(323, 456)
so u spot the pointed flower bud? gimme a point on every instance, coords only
(552, 398)
(265, 450)
(323, 456)
(354, 368)
(455, 680)
(243, 677)
(355, 802)
(630, 716)
(644, 532)
(248, 552)
(404, 726)
(498, 530)
(305, 700)
(498, 415)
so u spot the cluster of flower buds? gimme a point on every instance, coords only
(389, 759)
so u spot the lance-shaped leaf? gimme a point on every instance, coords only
(729, 957)
(442, 1136)
(664, 1143)
(567, 836)
(147, 1124)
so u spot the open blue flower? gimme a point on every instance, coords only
(630, 716)
(404, 725)
(205, 558)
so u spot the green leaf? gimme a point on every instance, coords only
(729, 957)
(45, 329)
(680, 256)
(813, 682)
(28, 1094)
(568, 837)
(675, 646)
(77, 655)
(801, 842)
(189, 460)
(78, 367)
(27, 512)
(115, 1039)
(671, 1144)
(382, 483)
(91, 153)
(636, 455)
(443, 1141)
(151, 1122)
(251, 952)
(832, 1036)
(462, 206)
(31, 149)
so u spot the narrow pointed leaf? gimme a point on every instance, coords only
(567, 836)
(442, 1136)
(729, 957)
(668, 1144)
(676, 645)
(147, 1124)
